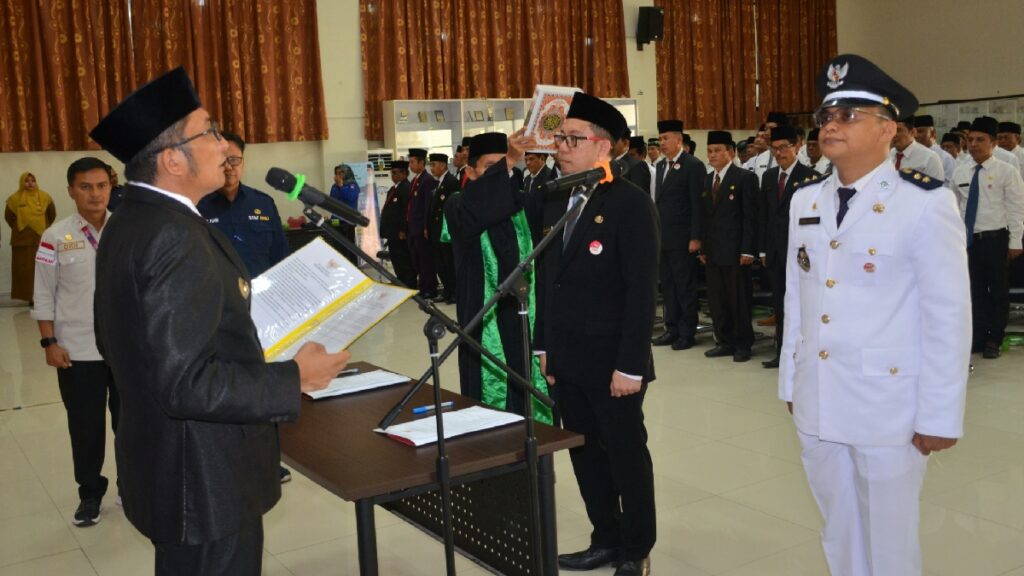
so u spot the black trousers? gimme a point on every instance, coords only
(87, 389)
(990, 287)
(613, 468)
(679, 291)
(423, 259)
(240, 554)
(444, 260)
(777, 277)
(401, 259)
(730, 296)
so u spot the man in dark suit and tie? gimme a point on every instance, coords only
(634, 170)
(421, 191)
(594, 326)
(197, 445)
(777, 186)
(444, 260)
(393, 226)
(679, 183)
(730, 238)
(537, 172)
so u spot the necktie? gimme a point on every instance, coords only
(528, 184)
(971, 213)
(844, 198)
(659, 174)
(714, 189)
(575, 199)
(782, 184)
(899, 159)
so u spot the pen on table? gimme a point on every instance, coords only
(430, 407)
(348, 372)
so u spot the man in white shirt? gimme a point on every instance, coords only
(951, 145)
(924, 133)
(765, 160)
(819, 163)
(991, 195)
(875, 355)
(64, 287)
(908, 153)
(1009, 140)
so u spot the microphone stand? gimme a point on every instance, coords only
(434, 329)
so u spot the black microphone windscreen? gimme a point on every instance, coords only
(280, 179)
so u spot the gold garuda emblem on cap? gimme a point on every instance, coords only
(836, 75)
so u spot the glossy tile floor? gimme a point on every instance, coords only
(731, 494)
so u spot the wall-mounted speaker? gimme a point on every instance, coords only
(650, 25)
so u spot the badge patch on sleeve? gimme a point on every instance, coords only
(46, 254)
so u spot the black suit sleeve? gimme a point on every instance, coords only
(486, 201)
(181, 287)
(763, 214)
(749, 192)
(639, 258)
(695, 184)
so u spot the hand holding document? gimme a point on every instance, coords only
(546, 115)
(460, 422)
(316, 294)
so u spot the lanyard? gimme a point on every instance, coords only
(92, 239)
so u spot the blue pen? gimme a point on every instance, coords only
(430, 407)
(348, 372)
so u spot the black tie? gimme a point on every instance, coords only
(570, 224)
(528, 185)
(844, 198)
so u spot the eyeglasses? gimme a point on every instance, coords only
(843, 115)
(234, 160)
(213, 130)
(572, 140)
(781, 149)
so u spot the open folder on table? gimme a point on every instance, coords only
(316, 294)
(457, 423)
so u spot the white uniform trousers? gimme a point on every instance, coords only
(870, 499)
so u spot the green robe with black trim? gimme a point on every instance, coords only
(490, 233)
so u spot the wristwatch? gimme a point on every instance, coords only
(47, 341)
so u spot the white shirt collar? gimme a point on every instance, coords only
(863, 181)
(721, 173)
(173, 195)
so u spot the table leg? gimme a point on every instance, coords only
(366, 537)
(549, 540)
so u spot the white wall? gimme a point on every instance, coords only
(939, 49)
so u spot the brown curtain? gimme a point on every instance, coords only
(706, 60)
(255, 64)
(448, 49)
(62, 66)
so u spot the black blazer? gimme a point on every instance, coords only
(531, 184)
(392, 213)
(419, 200)
(730, 224)
(435, 214)
(197, 447)
(678, 201)
(597, 311)
(637, 172)
(773, 215)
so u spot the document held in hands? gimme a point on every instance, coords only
(460, 422)
(546, 115)
(316, 294)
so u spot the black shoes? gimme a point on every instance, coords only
(286, 475)
(634, 568)
(88, 513)
(991, 351)
(684, 344)
(589, 559)
(665, 339)
(720, 351)
(773, 363)
(741, 355)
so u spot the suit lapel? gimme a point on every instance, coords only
(227, 249)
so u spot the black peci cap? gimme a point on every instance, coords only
(437, 157)
(924, 121)
(783, 132)
(637, 142)
(1011, 127)
(597, 111)
(720, 137)
(400, 164)
(950, 137)
(418, 153)
(487, 143)
(670, 126)
(986, 124)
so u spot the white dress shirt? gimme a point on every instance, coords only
(917, 157)
(173, 195)
(949, 163)
(1008, 157)
(1000, 197)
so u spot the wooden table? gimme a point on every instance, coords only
(333, 443)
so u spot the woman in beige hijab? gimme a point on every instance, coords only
(29, 211)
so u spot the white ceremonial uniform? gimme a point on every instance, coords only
(761, 163)
(918, 157)
(876, 349)
(1008, 157)
(822, 165)
(802, 156)
(949, 163)
(1019, 153)
(1000, 197)
(65, 283)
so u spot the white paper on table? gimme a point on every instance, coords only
(358, 383)
(424, 431)
(316, 294)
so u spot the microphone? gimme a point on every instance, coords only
(603, 171)
(284, 181)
